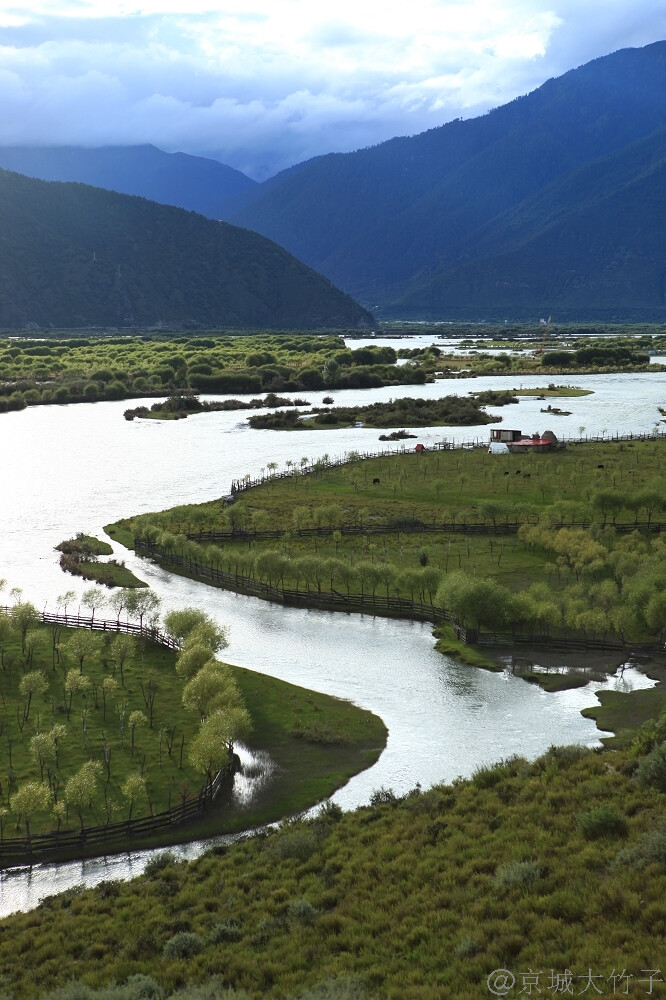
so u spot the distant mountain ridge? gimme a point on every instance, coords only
(73, 255)
(195, 183)
(552, 203)
(385, 222)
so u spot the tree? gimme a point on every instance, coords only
(24, 615)
(81, 787)
(42, 751)
(109, 687)
(137, 720)
(93, 598)
(122, 650)
(191, 659)
(32, 683)
(30, 798)
(212, 747)
(142, 603)
(82, 645)
(211, 689)
(181, 624)
(133, 789)
(75, 683)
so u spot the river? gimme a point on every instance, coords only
(76, 467)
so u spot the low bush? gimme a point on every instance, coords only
(650, 849)
(517, 875)
(603, 821)
(184, 944)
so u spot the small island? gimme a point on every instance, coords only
(79, 556)
(179, 407)
(450, 411)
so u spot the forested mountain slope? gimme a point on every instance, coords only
(375, 220)
(73, 255)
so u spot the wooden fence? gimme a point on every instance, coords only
(16, 851)
(20, 851)
(416, 528)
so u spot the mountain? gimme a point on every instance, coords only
(192, 182)
(407, 226)
(73, 255)
(592, 245)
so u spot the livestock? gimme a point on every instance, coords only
(600, 467)
(375, 481)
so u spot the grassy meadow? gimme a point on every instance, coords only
(566, 570)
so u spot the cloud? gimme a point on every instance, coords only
(284, 80)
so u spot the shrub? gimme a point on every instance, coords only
(294, 843)
(517, 875)
(488, 777)
(603, 821)
(183, 945)
(383, 796)
(651, 770)
(650, 849)
(140, 987)
(228, 930)
(303, 910)
(466, 947)
(160, 861)
(336, 989)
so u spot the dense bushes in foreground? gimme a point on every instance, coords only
(555, 865)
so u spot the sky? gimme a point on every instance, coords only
(263, 84)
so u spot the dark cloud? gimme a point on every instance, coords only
(285, 80)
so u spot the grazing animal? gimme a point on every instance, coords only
(506, 473)
(375, 482)
(600, 467)
(526, 475)
(517, 472)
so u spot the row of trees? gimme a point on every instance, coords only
(278, 569)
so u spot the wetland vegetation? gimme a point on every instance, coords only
(555, 864)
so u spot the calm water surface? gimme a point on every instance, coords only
(75, 468)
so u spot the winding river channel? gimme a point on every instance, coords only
(75, 468)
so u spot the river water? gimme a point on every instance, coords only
(75, 468)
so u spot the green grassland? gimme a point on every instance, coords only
(553, 865)
(119, 702)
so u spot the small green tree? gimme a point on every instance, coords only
(81, 646)
(136, 720)
(30, 798)
(133, 789)
(42, 751)
(81, 787)
(32, 684)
